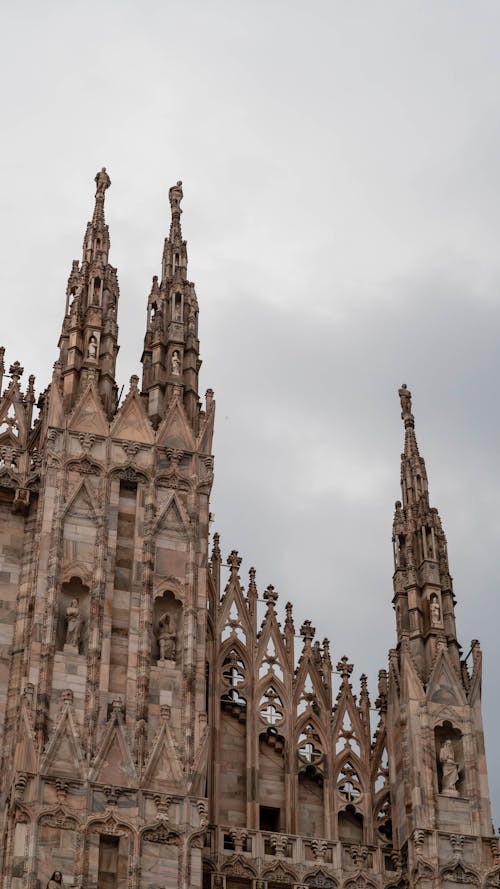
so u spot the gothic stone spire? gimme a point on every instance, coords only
(171, 347)
(423, 594)
(89, 337)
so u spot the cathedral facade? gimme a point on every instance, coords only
(155, 733)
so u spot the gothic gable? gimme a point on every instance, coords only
(113, 763)
(163, 770)
(175, 430)
(131, 422)
(88, 414)
(63, 755)
(444, 686)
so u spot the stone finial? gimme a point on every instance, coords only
(216, 546)
(327, 661)
(364, 697)
(252, 586)
(209, 399)
(102, 181)
(16, 371)
(234, 562)
(344, 668)
(381, 702)
(270, 596)
(307, 632)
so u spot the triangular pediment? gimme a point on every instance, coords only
(113, 763)
(131, 422)
(175, 431)
(63, 756)
(82, 502)
(444, 686)
(88, 414)
(172, 515)
(163, 771)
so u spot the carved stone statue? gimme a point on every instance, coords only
(176, 364)
(450, 769)
(74, 623)
(166, 638)
(56, 881)
(92, 348)
(435, 612)
(102, 181)
(405, 398)
(177, 312)
(175, 196)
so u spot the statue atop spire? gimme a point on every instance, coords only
(102, 181)
(175, 196)
(405, 399)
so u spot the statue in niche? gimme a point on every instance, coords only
(56, 881)
(435, 612)
(166, 638)
(74, 624)
(177, 312)
(92, 348)
(450, 769)
(176, 364)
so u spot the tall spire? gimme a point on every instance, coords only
(170, 360)
(89, 337)
(423, 594)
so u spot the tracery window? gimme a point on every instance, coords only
(384, 820)
(309, 747)
(233, 675)
(349, 784)
(271, 707)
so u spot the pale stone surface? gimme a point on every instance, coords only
(155, 734)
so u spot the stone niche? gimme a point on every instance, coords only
(57, 845)
(450, 761)
(167, 621)
(73, 617)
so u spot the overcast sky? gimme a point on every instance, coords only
(341, 170)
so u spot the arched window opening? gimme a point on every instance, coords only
(177, 307)
(383, 821)
(350, 826)
(309, 747)
(96, 295)
(233, 676)
(271, 707)
(349, 784)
